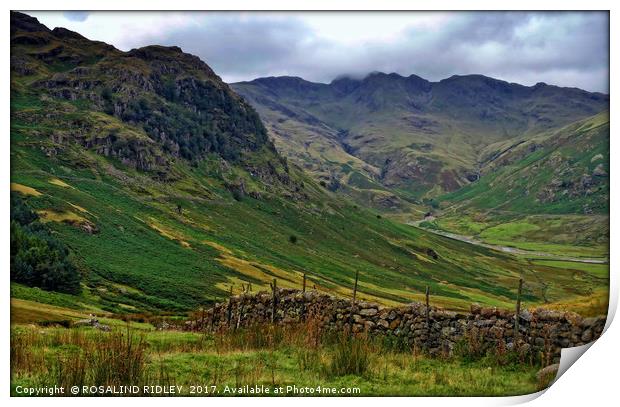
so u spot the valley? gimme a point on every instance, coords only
(146, 192)
(160, 220)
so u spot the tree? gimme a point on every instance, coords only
(38, 259)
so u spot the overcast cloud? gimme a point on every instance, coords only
(561, 48)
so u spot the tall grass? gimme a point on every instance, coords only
(351, 356)
(81, 357)
(271, 355)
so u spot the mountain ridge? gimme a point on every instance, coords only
(168, 194)
(359, 79)
(419, 138)
(154, 104)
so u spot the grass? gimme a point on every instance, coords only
(507, 230)
(140, 254)
(23, 189)
(547, 179)
(178, 261)
(598, 270)
(269, 356)
(561, 235)
(597, 303)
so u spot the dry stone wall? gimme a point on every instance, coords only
(540, 331)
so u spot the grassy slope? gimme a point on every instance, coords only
(148, 257)
(533, 196)
(561, 159)
(424, 137)
(217, 361)
(145, 256)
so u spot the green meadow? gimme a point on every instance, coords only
(222, 364)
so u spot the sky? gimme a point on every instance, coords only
(559, 48)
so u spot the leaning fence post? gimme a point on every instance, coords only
(274, 289)
(229, 313)
(428, 310)
(518, 309)
(240, 313)
(302, 315)
(357, 273)
(202, 317)
(213, 314)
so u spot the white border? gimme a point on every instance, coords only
(591, 382)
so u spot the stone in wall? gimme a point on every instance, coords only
(541, 331)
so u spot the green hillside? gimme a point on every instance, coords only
(560, 171)
(166, 189)
(548, 192)
(418, 138)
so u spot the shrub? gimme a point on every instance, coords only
(38, 259)
(351, 356)
(470, 347)
(309, 359)
(292, 239)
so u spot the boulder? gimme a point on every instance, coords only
(394, 324)
(546, 375)
(369, 312)
(586, 336)
(475, 308)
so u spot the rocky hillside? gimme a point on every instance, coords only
(165, 190)
(413, 137)
(557, 171)
(146, 108)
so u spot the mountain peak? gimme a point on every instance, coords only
(173, 97)
(61, 32)
(173, 59)
(24, 22)
(345, 83)
(281, 80)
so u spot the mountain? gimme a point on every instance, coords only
(158, 184)
(563, 170)
(407, 136)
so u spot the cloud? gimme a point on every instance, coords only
(568, 49)
(562, 48)
(80, 16)
(245, 47)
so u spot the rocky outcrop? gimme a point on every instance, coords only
(92, 321)
(540, 331)
(176, 98)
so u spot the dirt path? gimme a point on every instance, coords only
(507, 249)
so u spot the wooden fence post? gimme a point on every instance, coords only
(428, 310)
(302, 315)
(202, 317)
(274, 289)
(357, 273)
(240, 313)
(212, 316)
(518, 310)
(229, 312)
